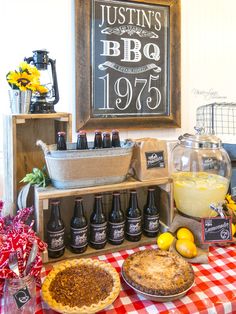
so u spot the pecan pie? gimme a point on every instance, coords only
(158, 272)
(81, 286)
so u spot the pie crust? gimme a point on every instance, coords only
(66, 285)
(158, 272)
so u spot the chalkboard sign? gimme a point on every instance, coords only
(155, 159)
(211, 163)
(21, 297)
(130, 66)
(216, 229)
(132, 78)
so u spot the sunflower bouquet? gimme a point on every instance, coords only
(230, 207)
(26, 77)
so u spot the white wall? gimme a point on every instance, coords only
(208, 52)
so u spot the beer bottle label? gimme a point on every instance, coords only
(151, 223)
(79, 237)
(56, 240)
(133, 226)
(98, 233)
(116, 231)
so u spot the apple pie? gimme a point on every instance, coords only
(158, 272)
(81, 286)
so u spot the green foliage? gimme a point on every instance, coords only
(38, 177)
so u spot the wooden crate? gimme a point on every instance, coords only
(20, 151)
(67, 197)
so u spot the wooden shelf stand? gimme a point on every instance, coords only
(20, 156)
(20, 151)
(44, 195)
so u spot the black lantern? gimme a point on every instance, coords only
(44, 103)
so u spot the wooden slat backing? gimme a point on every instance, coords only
(21, 154)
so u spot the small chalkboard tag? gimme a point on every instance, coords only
(155, 159)
(22, 296)
(216, 229)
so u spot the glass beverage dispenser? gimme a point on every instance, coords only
(201, 172)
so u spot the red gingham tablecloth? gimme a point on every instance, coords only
(214, 290)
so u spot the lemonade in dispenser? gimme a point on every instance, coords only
(201, 171)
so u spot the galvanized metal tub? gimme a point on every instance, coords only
(91, 167)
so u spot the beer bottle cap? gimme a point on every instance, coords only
(116, 193)
(98, 196)
(115, 131)
(106, 133)
(82, 132)
(78, 199)
(54, 202)
(61, 133)
(98, 132)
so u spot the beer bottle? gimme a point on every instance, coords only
(150, 215)
(106, 140)
(115, 140)
(55, 231)
(61, 141)
(97, 139)
(78, 228)
(82, 140)
(133, 219)
(116, 221)
(98, 225)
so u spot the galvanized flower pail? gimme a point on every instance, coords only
(20, 101)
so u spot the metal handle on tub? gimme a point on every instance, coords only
(43, 146)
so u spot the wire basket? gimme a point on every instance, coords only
(220, 119)
(217, 118)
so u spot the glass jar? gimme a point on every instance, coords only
(201, 172)
(20, 295)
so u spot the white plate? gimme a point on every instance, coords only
(158, 298)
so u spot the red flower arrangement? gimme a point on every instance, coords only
(16, 236)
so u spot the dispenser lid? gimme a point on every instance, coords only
(199, 140)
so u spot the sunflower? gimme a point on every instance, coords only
(41, 89)
(30, 69)
(19, 80)
(27, 77)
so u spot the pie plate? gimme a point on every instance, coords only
(93, 308)
(158, 298)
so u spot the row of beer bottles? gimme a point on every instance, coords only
(101, 140)
(120, 225)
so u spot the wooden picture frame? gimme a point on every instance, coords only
(127, 93)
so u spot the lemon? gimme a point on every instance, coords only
(184, 233)
(165, 240)
(186, 248)
(233, 229)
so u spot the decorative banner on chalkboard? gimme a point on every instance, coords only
(216, 229)
(130, 59)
